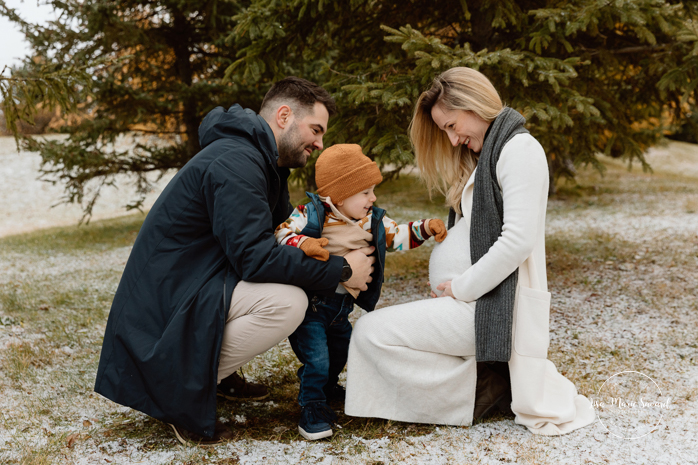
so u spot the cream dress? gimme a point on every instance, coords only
(416, 362)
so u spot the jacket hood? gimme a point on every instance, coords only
(236, 121)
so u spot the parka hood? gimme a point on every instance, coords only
(236, 121)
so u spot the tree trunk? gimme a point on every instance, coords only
(180, 44)
(481, 24)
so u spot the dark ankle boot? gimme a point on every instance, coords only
(235, 387)
(492, 391)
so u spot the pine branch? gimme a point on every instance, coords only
(628, 50)
(24, 92)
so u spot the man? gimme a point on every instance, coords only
(206, 288)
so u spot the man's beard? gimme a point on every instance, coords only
(291, 149)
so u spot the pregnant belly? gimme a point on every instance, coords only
(450, 258)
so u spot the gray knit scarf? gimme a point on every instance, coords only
(494, 311)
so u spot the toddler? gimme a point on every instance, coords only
(338, 219)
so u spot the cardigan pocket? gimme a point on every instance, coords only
(532, 322)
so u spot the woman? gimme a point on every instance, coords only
(416, 362)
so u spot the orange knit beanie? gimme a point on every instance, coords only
(343, 170)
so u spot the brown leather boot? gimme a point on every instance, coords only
(491, 391)
(235, 387)
(221, 433)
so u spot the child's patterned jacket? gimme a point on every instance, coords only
(398, 236)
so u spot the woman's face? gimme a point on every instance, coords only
(462, 127)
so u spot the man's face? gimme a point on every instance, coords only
(301, 136)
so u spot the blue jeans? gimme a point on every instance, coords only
(321, 343)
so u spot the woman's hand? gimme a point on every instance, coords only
(431, 293)
(446, 288)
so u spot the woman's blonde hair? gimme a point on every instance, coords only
(443, 167)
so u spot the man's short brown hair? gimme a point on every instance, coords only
(301, 92)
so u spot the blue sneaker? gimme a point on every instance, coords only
(316, 421)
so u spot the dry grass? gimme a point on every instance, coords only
(623, 298)
(22, 358)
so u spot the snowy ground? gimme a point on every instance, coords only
(28, 203)
(623, 259)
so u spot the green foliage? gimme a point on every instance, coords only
(25, 91)
(590, 76)
(159, 74)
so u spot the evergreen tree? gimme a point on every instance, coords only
(24, 93)
(590, 76)
(158, 73)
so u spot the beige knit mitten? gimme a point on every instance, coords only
(436, 228)
(313, 248)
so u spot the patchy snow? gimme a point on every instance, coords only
(628, 225)
(28, 203)
(639, 315)
(494, 443)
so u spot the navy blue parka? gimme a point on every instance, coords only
(211, 227)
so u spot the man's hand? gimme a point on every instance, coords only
(361, 267)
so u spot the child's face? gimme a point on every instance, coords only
(357, 206)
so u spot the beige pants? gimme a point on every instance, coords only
(261, 315)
